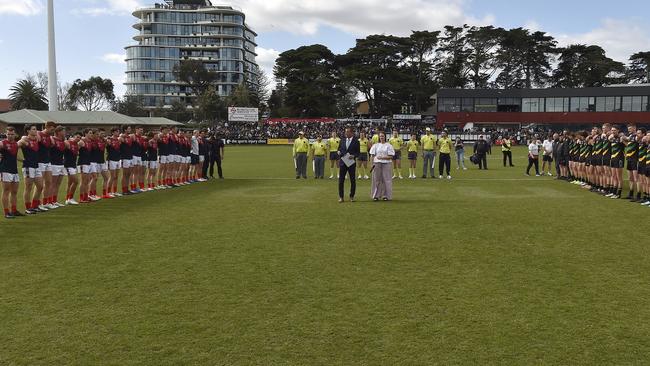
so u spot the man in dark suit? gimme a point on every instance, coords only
(349, 145)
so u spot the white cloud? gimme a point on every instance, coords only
(533, 25)
(359, 17)
(619, 38)
(21, 7)
(114, 58)
(109, 7)
(266, 59)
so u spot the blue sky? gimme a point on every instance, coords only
(91, 34)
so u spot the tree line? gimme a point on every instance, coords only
(393, 74)
(396, 74)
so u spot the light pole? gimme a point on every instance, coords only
(51, 55)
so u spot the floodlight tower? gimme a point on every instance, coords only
(51, 55)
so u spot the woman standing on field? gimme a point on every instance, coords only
(382, 154)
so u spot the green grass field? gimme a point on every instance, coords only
(492, 268)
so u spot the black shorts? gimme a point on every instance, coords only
(633, 164)
(642, 169)
(617, 163)
(562, 162)
(194, 159)
(398, 155)
(413, 155)
(334, 156)
(548, 158)
(607, 161)
(363, 157)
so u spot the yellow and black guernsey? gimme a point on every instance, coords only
(632, 149)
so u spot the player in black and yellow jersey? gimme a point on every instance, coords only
(632, 161)
(644, 166)
(617, 162)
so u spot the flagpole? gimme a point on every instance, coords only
(51, 53)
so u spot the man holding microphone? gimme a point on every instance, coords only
(300, 150)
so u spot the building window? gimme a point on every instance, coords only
(634, 104)
(467, 105)
(557, 104)
(509, 105)
(580, 104)
(449, 105)
(485, 104)
(532, 105)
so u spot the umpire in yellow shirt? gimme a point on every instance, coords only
(300, 150)
(446, 146)
(318, 150)
(429, 142)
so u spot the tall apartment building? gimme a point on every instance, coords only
(178, 30)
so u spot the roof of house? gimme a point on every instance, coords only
(25, 116)
(5, 105)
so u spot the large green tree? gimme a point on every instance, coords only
(525, 58)
(453, 70)
(375, 67)
(311, 80)
(26, 94)
(420, 51)
(639, 70)
(483, 44)
(583, 66)
(92, 94)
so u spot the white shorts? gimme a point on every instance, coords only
(102, 167)
(127, 163)
(174, 158)
(187, 160)
(164, 159)
(201, 158)
(88, 169)
(152, 165)
(57, 170)
(32, 173)
(9, 178)
(94, 167)
(44, 167)
(137, 161)
(114, 165)
(72, 171)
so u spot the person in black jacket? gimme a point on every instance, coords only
(216, 155)
(565, 140)
(481, 148)
(557, 144)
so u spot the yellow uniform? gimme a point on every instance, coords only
(428, 142)
(375, 138)
(506, 145)
(446, 145)
(363, 143)
(396, 143)
(412, 146)
(334, 143)
(300, 145)
(319, 148)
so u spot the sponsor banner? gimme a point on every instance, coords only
(363, 120)
(274, 121)
(240, 114)
(407, 116)
(246, 142)
(278, 142)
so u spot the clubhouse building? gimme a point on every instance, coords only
(557, 108)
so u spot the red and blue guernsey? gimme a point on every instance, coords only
(9, 160)
(71, 153)
(45, 146)
(31, 154)
(57, 151)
